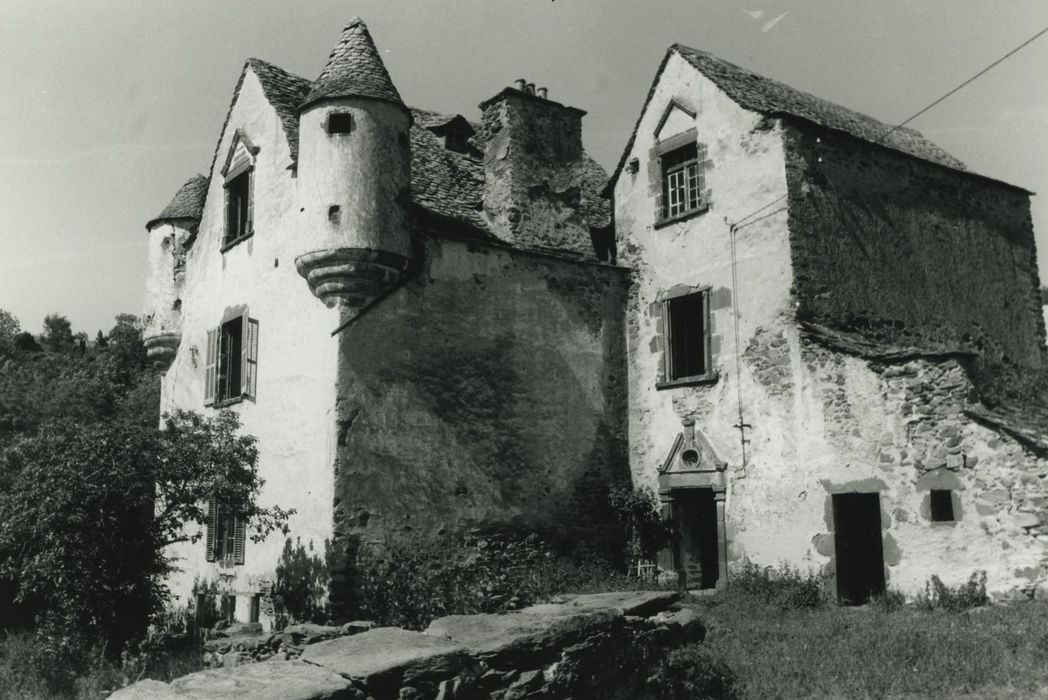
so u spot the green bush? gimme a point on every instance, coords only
(786, 588)
(410, 580)
(301, 585)
(938, 596)
(644, 532)
(694, 672)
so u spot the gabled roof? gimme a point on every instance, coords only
(188, 202)
(770, 97)
(285, 91)
(354, 69)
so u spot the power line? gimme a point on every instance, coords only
(1006, 56)
(1017, 49)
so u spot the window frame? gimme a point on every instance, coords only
(239, 353)
(239, 168)
(663, 152)
(666, 301)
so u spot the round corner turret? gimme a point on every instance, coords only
(170, 235)
(354, 176)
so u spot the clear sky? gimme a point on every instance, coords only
(107, 107)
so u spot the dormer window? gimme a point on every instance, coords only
(239, 186)
(681, 169)
(456, 133)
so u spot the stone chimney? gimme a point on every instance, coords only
(534, 170)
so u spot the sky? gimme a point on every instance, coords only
(107, 106)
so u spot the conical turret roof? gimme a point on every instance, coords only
(188, 202)
(354, 69)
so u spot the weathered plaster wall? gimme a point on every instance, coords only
(879, 241)
(163, 289)
(744, 170)
(821, 422)
(293, 414)
(489, 388)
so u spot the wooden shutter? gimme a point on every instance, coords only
(211, 367)
(249, 357)
(238, 540)
(249, 226)
(227, 216)
(212, 529)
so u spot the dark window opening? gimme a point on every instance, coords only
(942, 506)
(687, 352)
(229, 360)
(238, 207)
(229, 608)
(682, 181)
(340, 123)
(253, 613)
(858, 547)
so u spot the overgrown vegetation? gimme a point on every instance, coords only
(785, 588)
(410, 580)
(301, 584)
(92, 489)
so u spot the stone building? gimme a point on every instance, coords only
(770, 315)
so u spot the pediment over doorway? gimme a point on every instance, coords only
(692, 462)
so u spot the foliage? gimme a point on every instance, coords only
(28, 670)
(410, 580)
(25, 342)
(89, 510)
(785, 588)
(637, 512)
(694, 672)
(9, 328)
(58, 333)
(301, 584)
(938, 596)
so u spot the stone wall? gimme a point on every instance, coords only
(489, 388)
(907, 250)
(596, 646)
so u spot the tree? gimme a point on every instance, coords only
(25, 342)
(128, 330)
(87, 513)
(58, 333)
(9, 329)
(101, 341)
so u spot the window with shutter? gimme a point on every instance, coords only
(238, 540)
(687, 347)
(226, 535)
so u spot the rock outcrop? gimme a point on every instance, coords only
(603, 645)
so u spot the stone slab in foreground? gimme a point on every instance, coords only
(388, 656)
(633, 603)
(273, 680)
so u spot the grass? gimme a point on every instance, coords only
(876, 651)
(28, 672)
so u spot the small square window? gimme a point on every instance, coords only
(942, 506)
(686, 325)
(340, 123)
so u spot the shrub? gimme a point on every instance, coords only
(300, 588)
(694, 672)
(410, 580)
(938, 596)
(786, 588)
(644, 531)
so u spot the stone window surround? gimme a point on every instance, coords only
(712, 374)
(661, 149)
(231, 171)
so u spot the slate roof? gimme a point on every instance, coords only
(354, 69)
(766, 96)
(285, 91)
(188, 202)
